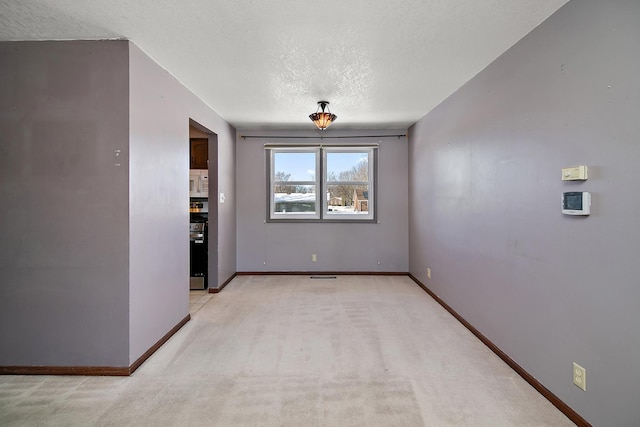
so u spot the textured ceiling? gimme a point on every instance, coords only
(381, 63)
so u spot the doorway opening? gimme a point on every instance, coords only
(203, 207)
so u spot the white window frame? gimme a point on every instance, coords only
(273, 215)
(322, 213)
(331, 216)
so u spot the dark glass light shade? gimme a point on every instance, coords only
(322, 118)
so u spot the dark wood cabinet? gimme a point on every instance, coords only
(199, 153)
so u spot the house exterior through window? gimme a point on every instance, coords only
(321, 183)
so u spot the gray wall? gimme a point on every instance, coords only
(94, 257)
(64, 252)
(159, 199)
(484, 191)
(340, 247)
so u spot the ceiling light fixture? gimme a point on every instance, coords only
(323, 118)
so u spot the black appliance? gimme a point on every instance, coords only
(198, 253)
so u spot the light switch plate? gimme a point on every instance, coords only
(221, 197)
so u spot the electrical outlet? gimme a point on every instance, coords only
(428, 273)
(579, 376)
(314, 257)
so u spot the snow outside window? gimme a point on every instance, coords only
(294, 189)
(322, 183)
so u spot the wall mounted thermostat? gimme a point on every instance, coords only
(576, 203)
(576, 173)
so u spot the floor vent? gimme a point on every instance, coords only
(324, 277)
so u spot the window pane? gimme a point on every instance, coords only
(295, 166)
(339, 188)
(347, 166)
(347, 199)
(301, 199)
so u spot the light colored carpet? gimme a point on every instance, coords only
(295, 351)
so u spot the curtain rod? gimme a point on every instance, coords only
(320, 145)
(322, 137)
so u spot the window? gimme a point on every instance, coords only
(294, 186)
(321, 183)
